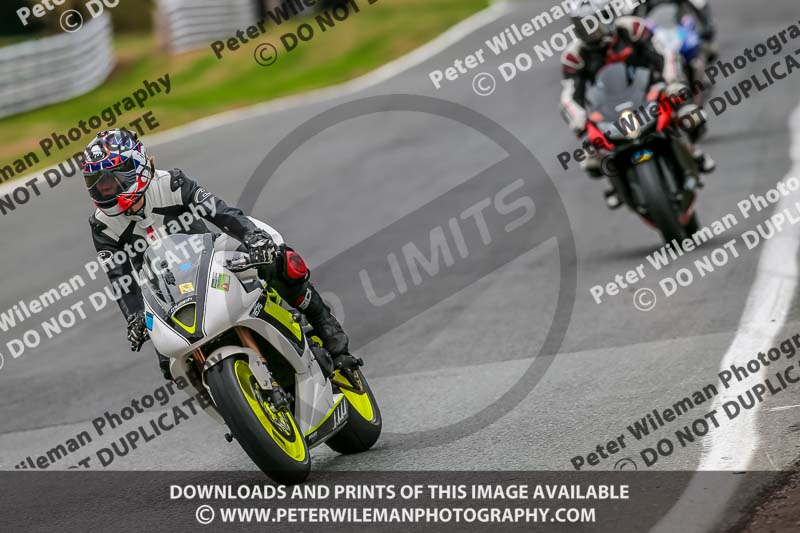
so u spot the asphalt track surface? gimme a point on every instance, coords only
(458, 352)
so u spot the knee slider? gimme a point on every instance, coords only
(294, 267)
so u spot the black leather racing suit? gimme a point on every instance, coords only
(170, 195)
(631, 43)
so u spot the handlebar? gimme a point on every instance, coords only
(239, 264)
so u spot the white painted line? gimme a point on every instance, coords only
(382, 74)
(783, 408)
(771, 462)
(733, 446)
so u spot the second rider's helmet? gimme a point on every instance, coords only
(593, 20)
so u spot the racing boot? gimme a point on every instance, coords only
(705, 164)
(612, 199)
(324, 323)
(592, 165)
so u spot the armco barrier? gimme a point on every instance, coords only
(188, 24)
(53, 69)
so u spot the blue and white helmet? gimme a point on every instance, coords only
(116, 170)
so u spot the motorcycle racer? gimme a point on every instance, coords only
(134, 201)
(699, 9)
(614, 39)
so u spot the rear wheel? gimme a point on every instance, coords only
(660, 208)
(364, 422)
(268, 434)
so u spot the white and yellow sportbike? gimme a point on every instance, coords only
(230, 335)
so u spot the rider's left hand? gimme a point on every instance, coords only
(677, 90)
(260, 247)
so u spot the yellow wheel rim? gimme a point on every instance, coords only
(279, 425)
(359, 401)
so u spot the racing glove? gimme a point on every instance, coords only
(262, 250)
(596, 138)
(677, 90)
(260, 247)
(137, 331)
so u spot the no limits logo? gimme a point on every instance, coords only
(446, 246)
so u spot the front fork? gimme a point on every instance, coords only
(688, 166)
(268, 389)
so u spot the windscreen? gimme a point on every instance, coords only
(618, 87)
(171, 266)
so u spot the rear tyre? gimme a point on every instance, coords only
(364, 421)
(660, 209)
(269, 436)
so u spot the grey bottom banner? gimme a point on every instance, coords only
(339, 501)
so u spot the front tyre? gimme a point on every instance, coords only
(268, 435)
(364, 421)
(655, 198)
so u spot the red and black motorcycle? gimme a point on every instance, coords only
(646, 154)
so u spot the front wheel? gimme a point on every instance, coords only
(364, 422)
(268, 434)
(655, 197)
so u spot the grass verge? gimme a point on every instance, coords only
(203, 85)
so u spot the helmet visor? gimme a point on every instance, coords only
(105, 185)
